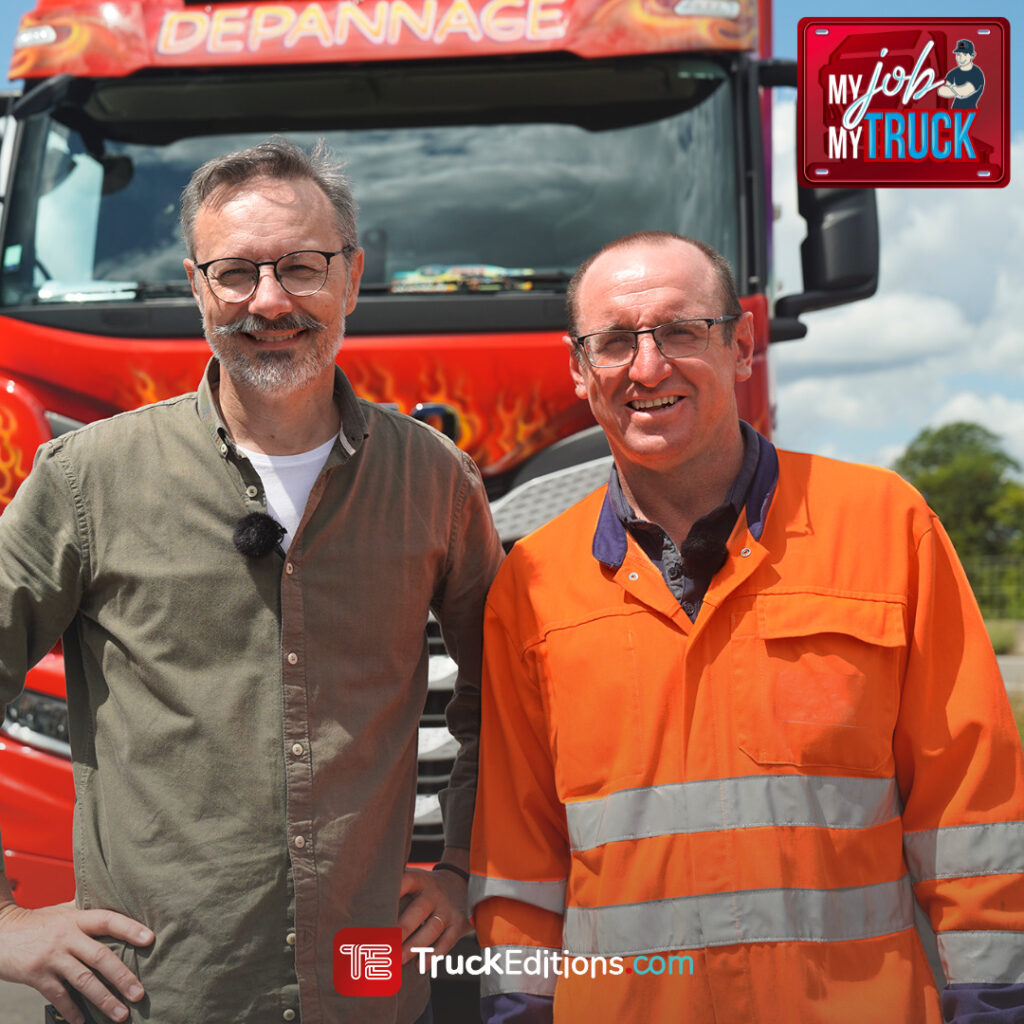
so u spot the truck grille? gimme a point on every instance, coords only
(437, 750)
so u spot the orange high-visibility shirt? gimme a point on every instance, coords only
(737, 814)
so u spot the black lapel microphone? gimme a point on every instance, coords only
(257, 534)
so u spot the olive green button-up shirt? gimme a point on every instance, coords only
(244, 730)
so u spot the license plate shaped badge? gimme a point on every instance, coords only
(904, 102)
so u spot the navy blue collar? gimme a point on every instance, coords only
(752, 489)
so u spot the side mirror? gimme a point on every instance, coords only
(839, 256)
(48, 94)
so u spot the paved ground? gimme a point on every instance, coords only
(1012, 666)
(20, 1005)
(453, 1004)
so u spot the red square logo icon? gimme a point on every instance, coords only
(368, 961)
(898, 102)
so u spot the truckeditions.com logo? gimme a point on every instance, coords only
(368, 962)
(900, 102)
(514, 961)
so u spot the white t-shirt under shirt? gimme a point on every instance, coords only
(287, 480)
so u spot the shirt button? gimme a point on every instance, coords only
(675, 571)
(634, 576)
(687, 607)
(297, 749)
(293, 658)
(288, 1015)
(745, 553)
(290, 938)
(300, 841)
(252, 491)
(289, 568)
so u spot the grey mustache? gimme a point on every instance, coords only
(253, 324)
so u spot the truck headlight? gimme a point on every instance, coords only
(39, 720)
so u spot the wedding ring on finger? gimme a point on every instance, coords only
(441, 919)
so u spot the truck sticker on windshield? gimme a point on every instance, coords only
(899, 102)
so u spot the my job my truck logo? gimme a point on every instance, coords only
(901, 102)
(368, 961)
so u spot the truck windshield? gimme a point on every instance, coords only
(509, 199)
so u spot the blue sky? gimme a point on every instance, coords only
(941, 340)
(10, 13)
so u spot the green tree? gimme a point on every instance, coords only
(964, 474)
(1008, 512)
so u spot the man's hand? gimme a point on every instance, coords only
(437, 914)
(54, 947)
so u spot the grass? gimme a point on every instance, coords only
(1003, 634)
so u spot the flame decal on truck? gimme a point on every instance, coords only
(14, 466)
(519, 422)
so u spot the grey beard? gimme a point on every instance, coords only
(272, 371)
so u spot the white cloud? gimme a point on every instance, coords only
(941, 339)
(1002, 415)
(890, 453)
(830, 399)
(892, 329)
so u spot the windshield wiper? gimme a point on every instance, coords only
(109, 291)
(161, 289)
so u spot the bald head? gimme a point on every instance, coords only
(725, 284)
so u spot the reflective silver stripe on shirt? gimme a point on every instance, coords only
(980, 957)
(731, 918)
(534, 984)
(548, 895)
(714, 805)
(963, 851)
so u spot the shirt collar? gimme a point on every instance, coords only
(353, 424)
(753, 489)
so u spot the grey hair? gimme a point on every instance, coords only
(719, 264)
(279, 159)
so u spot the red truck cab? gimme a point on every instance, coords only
(493, 145)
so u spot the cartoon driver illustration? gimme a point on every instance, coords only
(966, 82)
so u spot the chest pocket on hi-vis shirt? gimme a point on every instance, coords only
(816, 680)
(594, 698)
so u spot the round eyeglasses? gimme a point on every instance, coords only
(234, 279)
(677, 339)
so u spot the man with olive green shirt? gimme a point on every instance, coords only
(243, 708)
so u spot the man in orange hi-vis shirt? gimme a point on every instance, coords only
(740, 713)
